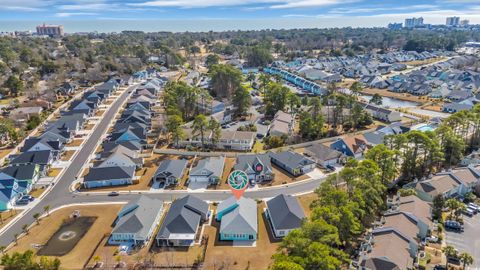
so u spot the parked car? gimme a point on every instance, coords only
(439, 267)
(28, 197)
(331, 167)
(453, 225)
(473, 209)
(468, 212)
(113, 194)
(475, 206)
(22, 201)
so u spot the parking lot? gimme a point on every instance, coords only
(467, 241)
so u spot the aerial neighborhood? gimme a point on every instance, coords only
(302, 149)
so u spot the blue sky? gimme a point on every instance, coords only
(330, 12)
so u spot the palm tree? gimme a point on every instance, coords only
(15, 237)
(454, 206)
(96, 259)
(46, 209)
(25, 228)
(466, 259)
(36, 216)
(2, 249)
(450, 252)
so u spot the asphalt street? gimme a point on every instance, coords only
(468, 240)
(60, 193)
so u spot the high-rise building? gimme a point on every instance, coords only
(413, 22)
(464, 22)
(453, 21)
(395, 26)
(50, 30)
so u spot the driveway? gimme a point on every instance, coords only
(469, 240)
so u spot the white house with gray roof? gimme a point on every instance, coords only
(284, 214)
(208, 170)
(293, 162)
(170, 171)
(238, 219)
(181, 223)
(136, 222)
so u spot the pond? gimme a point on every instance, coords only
(67, 237)
(394, 103)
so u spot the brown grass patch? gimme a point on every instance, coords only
(54, 172)
(67, 155)
(84, 248)
(74, 143)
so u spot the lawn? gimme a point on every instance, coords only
(89, 126)
(67, 155)
(37, 192)
(281, 177)
(74, 143)
(222, 255)
(305, 201)
(258, 147)
(54, 172)
(99, 113)
(6, 216)
(85, 247)
(5, 152)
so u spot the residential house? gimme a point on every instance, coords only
(67, 88)
(389, 249)
(457, 182)
(8, 192)
(282, 124)
(456, 107)
(383, 114)
(352, 146)
(208, 170)
(34, 144)
(293, 162)
(209, 105)
(170, 171)
(26, 175)
(122, 157)
(24, 113)
(257, 167)
(136, 222)
(42, 158)
(236, 140)
(324, 155)
(238, 219)
(109, 176)
(182, 221)
(284, 214)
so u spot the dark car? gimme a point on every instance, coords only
(331, 168)
(113, 194)
(439, 267)
(453, 225)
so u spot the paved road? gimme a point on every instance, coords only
(468, 241)
(60, 193)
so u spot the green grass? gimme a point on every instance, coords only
(258, 147)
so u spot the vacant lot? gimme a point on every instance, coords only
(76, 142)
(82, 251)
(222, 255)
(67, 155)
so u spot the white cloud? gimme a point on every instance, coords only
(277, 4)
(377, 9)
(71, 14)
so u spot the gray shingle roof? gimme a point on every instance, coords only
(291, 159)
(213, 164)
(285, 212)
(246, 163)
(109, 173)
(241, 220)
(141, 219)
(183, 217)
(323, 152)
(21, 172)
(172, 167)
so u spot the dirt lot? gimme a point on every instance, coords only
(258, 257)
(67, 155)
(85, 247)
(401, 96)
(76, 142)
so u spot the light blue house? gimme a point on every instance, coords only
(238, 219)
(9, 191)
(136, 222)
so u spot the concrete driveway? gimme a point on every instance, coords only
(469, 240)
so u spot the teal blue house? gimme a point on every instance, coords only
(9, 191)
(238, 219)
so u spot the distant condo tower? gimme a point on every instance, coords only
(50, 30)
(413, 22)
(453, 21)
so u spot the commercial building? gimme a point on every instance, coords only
(453, 21)
(413, 22)
(50, 30)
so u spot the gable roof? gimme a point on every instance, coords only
(292, 159)
(242, 219)
(21, 172)
(37, 157)
(141, 219)
(172, 167)
(323, 152)
(212, 164)
(183, 217)
(109, 173)
(247, 163)
(285, 212)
